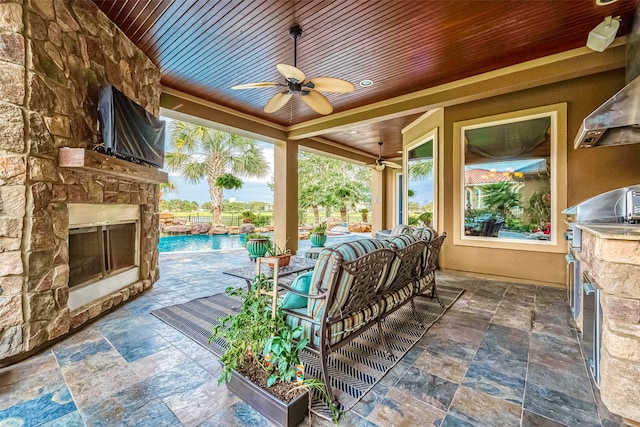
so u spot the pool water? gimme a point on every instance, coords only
(213, 242)
(201, 242)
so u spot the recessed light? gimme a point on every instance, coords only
(353, 132)
(605, 2)
(366, 83)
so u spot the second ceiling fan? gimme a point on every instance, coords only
(380, 164)
(296, 83)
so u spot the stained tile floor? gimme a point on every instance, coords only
(504, 355)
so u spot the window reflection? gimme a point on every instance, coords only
(507, 191)
(420, 184)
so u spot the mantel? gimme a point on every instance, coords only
(92, 161)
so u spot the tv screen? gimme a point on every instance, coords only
(128, 130)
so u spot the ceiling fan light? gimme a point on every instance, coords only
(379, 167)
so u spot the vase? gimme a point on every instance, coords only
(257, 247)
(317, 240)
(289, 414)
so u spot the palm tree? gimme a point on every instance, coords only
(331, 183)
(421, 169)
(500, 196)
(311, 196)
(197, 152)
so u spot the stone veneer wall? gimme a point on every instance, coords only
(614, 264)
(54, 55)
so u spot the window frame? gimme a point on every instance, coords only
(558, 179)
(432, 136)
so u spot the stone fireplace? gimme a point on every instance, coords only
(60, 201)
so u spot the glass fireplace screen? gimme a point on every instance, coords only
(98, 252)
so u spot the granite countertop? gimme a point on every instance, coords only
(613, 231)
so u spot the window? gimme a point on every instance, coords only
(420, 158)
(399, 198)
(512, 179)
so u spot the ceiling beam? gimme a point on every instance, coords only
(182, 106)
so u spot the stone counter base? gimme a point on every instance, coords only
(614, 264)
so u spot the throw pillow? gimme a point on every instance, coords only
(300, 284)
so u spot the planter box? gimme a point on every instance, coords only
(280, 413)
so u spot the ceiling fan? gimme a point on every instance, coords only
(381, 164)
(296, 83)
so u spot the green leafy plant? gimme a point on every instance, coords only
(261, 220)
(365, 214)
(426, 217)
(248, 216)
(539, 207)
(275, 250)
(253, 331)
(284, 351)
(321, 228)
(247, 330)
(229, 182)
(250, 236)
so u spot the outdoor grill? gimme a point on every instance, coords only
(616, 207)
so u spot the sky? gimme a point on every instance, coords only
(253, 190)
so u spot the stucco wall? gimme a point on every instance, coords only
(589, 172)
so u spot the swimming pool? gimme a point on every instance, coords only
(200, 242)
(215, 242)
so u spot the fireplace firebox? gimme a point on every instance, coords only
(98, 252)
(104, 250)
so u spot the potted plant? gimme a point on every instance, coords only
(318, 235)
(256, 244)
(283, 254)
(261, 364)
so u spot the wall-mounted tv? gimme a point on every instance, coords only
(129, 131)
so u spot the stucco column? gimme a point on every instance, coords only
(285, 194)
(378, 201)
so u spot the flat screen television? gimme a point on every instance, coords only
(129, 131)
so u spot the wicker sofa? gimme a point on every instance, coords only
(357, 284)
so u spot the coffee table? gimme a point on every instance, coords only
(296, 265)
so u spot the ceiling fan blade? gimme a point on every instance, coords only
(316, 101)
(291, 73)
(376, 166)
(329, 84)
(391, 164)
(277, 101)
(255, 85)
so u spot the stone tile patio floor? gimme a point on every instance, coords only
(504, 355)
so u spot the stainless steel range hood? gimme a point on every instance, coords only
(616, 122)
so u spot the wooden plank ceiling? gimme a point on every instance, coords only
(203, 47)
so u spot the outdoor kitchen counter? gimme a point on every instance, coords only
(613, 231)
(611, 257)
